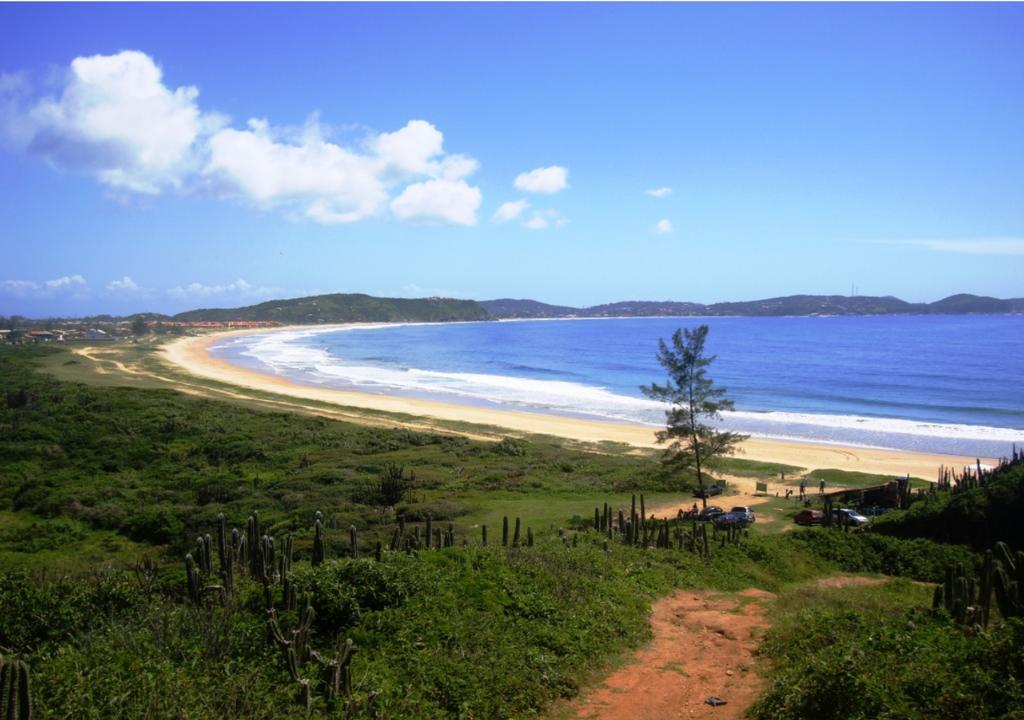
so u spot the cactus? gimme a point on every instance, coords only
(1008, 581)
(15, 690)
(319, 550)
(192, 576)
(336, 677)
(225, 555)
(353, 541)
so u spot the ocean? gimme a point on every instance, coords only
(936, 383)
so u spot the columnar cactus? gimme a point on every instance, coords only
(192, 576)
(319, 550)
(15, 690)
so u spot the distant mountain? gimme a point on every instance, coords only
(789, 305)
(959, 304)
(340, 307)
(507, 308)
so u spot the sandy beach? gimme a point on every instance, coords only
(191, 354)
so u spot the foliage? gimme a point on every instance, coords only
(919, 558)
(859, 653)
(979, 516)
(695, 404)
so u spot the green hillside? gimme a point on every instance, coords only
(346, 307)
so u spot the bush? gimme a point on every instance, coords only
(919, 559)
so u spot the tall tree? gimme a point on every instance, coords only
(695, 405)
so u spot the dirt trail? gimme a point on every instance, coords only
(703, 646)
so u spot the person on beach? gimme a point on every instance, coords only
(821, 486)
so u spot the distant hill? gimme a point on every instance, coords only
(340, 307)
(789, 305)
(507, 308)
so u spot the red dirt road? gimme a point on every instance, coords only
(703, 645)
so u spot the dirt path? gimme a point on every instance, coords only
(703, 646)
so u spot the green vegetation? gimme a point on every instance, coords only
(342, 307)
(978, 514)
(694, 406)
(878, 652)
(103, 489)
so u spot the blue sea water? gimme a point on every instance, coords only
(947, 384)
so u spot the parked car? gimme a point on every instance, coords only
(809, 517)
(852, 517)
(710, 512)
(741, 516)
(709, 491)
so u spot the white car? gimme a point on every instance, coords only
(852, 517)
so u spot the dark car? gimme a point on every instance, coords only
(709, 491)
(738, 516)
(710, 512)
(809, 517)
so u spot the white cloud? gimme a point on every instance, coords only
(993, 246)
(66, 281)
(126, 284)
(329, 183)
(239, 288)
(546, 180)
(661, 192)
(510, 210)
(24, 288)
(451, 201)
(664, 227)
(115, 119)
(19, 287)
(543, 219)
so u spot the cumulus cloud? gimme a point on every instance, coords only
(24, 288)
(545, 180)
(125, 284)
(543, 219)
(19, 287)
(329, 183)
(66, 281)
(238, 288)
(116, 119)
(661, 192)
(663, 227)
(510, 210)
(451, 201)
(993, 246)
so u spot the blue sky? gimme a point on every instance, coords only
(176, 156)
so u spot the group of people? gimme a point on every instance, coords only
(803, 491)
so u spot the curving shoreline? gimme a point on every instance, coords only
(191, 354)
